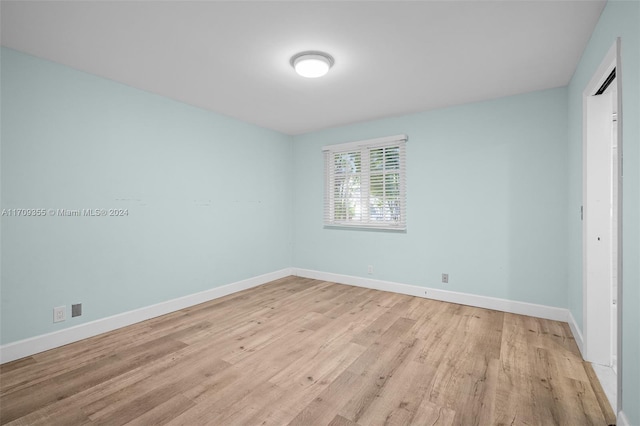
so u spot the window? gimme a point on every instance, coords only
(365, 184)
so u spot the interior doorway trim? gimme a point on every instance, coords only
(610, 63)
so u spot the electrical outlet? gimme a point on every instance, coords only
(59, 314)
(76, 310)
(370, 269)
(445, 278)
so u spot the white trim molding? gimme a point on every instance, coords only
(359, 144)
(31, 346)
(504, 305)
(575, 330)
(34, 345)
(622, 419)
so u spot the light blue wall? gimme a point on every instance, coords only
(209, 197)
(619, 19)
(486, 201)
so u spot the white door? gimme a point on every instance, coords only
(615, 172)
(598, 211)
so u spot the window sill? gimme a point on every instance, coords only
(367, 228)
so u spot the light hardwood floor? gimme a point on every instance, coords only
(304, 352)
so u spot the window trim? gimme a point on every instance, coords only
(364, 146)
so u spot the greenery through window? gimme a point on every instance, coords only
(365, 184)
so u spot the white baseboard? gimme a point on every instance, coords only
(31, 346)
(577, 334)
(622, 419)
(504, 305)
(34, 345)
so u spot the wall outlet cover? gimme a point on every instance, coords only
(59, 313)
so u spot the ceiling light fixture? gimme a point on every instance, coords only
(312, 64)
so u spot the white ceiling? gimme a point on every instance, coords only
(391, 58)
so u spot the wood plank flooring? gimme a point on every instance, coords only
(304, 352)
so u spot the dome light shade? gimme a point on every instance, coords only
(312, 64)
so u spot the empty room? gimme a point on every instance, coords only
(343, 213)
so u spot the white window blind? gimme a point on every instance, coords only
(365, 184)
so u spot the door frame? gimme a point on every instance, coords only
(610, 61)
